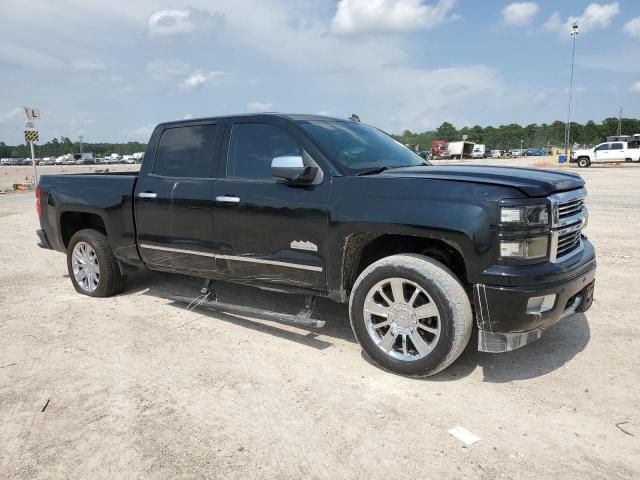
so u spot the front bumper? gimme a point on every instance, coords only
(501, 311)
(499, 342)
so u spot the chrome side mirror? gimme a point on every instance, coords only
(293, 169)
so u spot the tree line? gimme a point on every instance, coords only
(502, 137)
(63, 145)
(532, 136)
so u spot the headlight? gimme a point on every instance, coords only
(524, 249)
(529, 215)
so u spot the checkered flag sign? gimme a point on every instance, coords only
(31, 136)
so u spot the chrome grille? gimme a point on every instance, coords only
(569, 215)
(568, 242)
(570, 209)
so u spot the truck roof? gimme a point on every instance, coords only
(291, 116)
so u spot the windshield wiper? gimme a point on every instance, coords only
(373, 171)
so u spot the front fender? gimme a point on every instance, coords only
(463, 215)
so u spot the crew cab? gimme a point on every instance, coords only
(608, 152)
(326, 207)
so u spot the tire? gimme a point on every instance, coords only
(93, 250)
(440, 290)
(584, 162)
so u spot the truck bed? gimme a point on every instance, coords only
(106, 197)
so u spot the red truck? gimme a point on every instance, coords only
(439, 149)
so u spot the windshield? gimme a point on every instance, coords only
(359, 147)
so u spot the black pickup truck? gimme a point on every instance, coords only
(329, 207)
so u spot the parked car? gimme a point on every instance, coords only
(534, 152)
(85, 161)
(606, 153)
(325, 207)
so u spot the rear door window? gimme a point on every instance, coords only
(186, 152)
(616, 146)
(254, 145)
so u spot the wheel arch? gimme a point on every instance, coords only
(73, 221)
(363, 249)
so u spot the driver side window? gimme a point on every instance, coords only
(254, 145)
(604, 146)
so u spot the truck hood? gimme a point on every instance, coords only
(533, 182)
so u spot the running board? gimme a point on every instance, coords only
(302, 318)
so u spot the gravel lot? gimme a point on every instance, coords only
(137, 387)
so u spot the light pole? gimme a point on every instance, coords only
(567, 128)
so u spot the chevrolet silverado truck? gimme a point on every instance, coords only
(607, 152)
(326, 207)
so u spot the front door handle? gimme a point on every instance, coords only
(227, 199)
(147, 195)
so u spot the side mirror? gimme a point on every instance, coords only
(293, 169)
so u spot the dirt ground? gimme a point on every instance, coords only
(137, 387)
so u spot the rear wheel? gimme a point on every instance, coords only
(92, 266)
(584, 162)
(410, 314)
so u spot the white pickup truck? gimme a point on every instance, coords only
(606, 153)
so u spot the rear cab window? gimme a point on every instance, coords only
(186, 152)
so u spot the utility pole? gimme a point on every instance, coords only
(80, 137)
(567, 129)
(620, 121)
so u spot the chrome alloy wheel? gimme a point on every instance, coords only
(402, 319)
(86, 269)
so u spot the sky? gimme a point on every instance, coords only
(110, 70)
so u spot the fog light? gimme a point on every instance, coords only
(541, 304)
(527, 248)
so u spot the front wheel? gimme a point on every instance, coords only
(92, 266)
(584, 162)
(410, 314)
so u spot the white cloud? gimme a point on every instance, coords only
(370, 16)
(554, 23)
(519, 13)
(632, 27)
(635, 87)
(255, 107)
(181, 22)
(11, 115)
(594, 17)
(188, 116)
(197, 79)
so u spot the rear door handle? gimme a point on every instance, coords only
(147, 195)
(227, 199)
